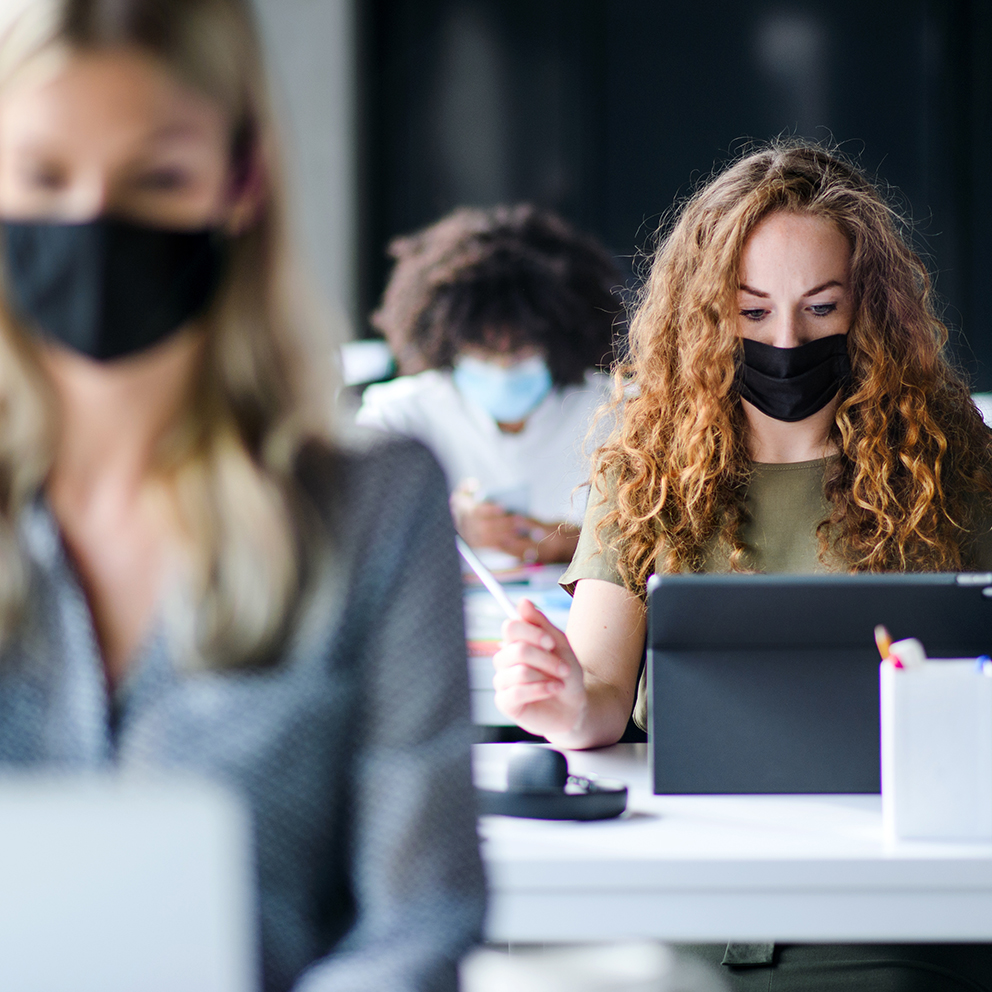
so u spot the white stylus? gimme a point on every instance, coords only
(487, 578)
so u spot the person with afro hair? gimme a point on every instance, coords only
(500, 320)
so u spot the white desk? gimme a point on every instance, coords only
(716, 868)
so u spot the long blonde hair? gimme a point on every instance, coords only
(227, 468)
(913, 476)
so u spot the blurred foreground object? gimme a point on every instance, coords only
(117, 885)
(234, 591)
(634, 967)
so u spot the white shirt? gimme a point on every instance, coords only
(535, 471)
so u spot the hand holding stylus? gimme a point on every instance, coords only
(538, 681)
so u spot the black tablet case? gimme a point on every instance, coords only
(769, 684)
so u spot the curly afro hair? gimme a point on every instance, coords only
(501, 278)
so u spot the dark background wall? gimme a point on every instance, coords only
(610, 110)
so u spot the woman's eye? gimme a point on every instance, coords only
(754, 314)
(44, 177)
(822, 309)
(162, 180)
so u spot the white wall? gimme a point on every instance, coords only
(311, 53)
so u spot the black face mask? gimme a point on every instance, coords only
(108, 288)
(793, 383)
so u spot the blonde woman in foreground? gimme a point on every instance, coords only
(194, 574)
(790, 408)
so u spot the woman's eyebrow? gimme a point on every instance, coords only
(174, 132)
(822, 287)
(754, 292)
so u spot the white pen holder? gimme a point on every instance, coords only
(937, 751)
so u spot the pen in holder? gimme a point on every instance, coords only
(936, 718)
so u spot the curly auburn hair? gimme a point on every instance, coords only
(913, 475)
(501, 278)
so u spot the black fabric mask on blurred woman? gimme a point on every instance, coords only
(793, 383)
(109, 288)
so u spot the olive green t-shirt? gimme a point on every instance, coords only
(784, 503)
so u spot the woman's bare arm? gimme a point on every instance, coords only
(576, 689)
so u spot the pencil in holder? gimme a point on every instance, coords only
(936, 720)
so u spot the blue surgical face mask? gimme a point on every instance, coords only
(507, 393)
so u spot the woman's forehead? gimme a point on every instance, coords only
(791, 241)
(120, 96)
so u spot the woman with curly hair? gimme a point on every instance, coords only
(498, 319)
(787, 406)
